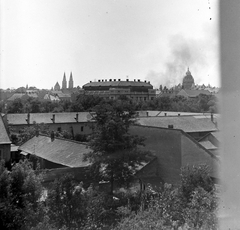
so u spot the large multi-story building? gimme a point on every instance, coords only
(115, 88)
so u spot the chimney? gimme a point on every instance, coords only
(37, 133)
(28, 118)
(127, 80)
(76, 118)
(52, 136)
(147, 113)
(179, 114)
(90, 81)
(110, 79)
(138, 80)
(102, 80)
(119, 79)
(114, 79)
(212, 117)
(99, 80)
(170, 126)
(165, 114)
(53, 118)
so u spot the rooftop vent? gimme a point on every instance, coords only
(90, 81)
(99, 80)
(170, 126)
(53, 118)
(114, 79)
(179, 114)
(165, 114)
(138, 80)
(110, 79)
(134, 79)
(76, 118)
(145, 81)
(102, 80)
(127, 80)
(119, 79)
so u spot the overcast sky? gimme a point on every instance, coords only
(142, 39)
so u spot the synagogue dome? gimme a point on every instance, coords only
(188, 80)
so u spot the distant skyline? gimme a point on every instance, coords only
(151, 40)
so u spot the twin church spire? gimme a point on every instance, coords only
(70, 82)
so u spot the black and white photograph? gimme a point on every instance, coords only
(119, 114)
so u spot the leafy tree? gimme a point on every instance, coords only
(193, 177)
(67, 203)
(20, 191)
(115, 153)
(192, 205)
(16, 106)
(30, 131)
(86, 102)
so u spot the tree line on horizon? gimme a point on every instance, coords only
(203, 103)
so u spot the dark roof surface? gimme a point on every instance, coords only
(60, 151)
(118, 84)
(186, 123)
(20, 119)
(4, 138)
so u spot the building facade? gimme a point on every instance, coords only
(114, 88)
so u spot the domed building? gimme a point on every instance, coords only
(188, 80)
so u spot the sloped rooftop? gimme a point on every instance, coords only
(20, 119)
(60, 151)
(186, 123)
(4, 138)
(208, 145)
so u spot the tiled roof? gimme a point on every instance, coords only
(20, 119)
(16, 96)
(60, 151)
(118, 84)
(186, 123)
(4, 138)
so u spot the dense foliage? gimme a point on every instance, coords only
(80, 103)
(115, 153)
(20, 191)
(67, 204)
(29, 132)
(192, 205)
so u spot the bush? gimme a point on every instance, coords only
(20, 191)
(192, 205)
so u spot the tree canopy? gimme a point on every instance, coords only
(116, 153)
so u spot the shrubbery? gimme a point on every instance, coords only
(67, 205)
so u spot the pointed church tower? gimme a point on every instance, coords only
(70, 85)
(64, 82)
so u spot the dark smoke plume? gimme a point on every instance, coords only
(184, 53)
